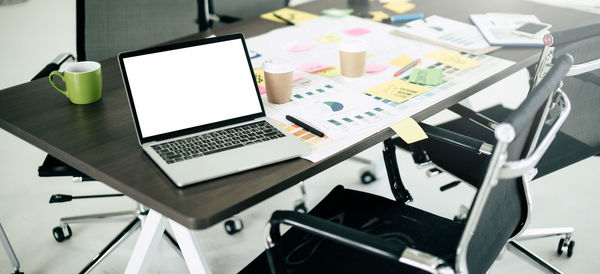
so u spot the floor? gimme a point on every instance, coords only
(561, 199)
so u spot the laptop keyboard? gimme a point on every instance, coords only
(216, 141)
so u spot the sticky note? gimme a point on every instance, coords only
(295, 46)
(409, 131)
(356, 31)
(399, 6)
(397, 90)
(262, 90)
(259, 76)
(453, 59)
(330, 38)
(374, 68)
(430, 77)
(330, 72)
(297, 77)
(402, 61)
(378, 16)
(337, 13)
(292, 15)
(313, 67)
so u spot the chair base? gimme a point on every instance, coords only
(523, 253)
(138, 217)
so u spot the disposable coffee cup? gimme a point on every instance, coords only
(278, 80)
(353, 54)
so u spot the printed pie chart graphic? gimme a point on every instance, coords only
(335, 106)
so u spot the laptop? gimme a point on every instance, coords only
(198, 112)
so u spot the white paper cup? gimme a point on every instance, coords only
(278, 79)
(353, 55)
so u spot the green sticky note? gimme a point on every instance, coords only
(430, 77)
(337, 13)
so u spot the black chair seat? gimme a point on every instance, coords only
(564, 151)
(394, 222)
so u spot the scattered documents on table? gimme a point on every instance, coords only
(447, 33)
(400, 97)
(294, 16)
(409, 130)
(329, 38)
(497, 28)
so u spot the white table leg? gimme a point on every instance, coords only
(188, 242)
(152, 229)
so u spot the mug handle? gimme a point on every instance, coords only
(59, 74)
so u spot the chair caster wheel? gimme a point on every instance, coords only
(300, 206)
(59, 234)
(367, 177)
(565, 244)
(233, 226)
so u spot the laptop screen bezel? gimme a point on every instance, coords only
(191, 130)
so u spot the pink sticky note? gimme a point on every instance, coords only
(294, 46)
(374, 68)
(313, 67)
(262, 89)
(356, 31)
(297, 77)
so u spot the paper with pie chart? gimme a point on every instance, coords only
(336, 110)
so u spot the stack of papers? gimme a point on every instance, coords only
(497, 28)
(448, 33)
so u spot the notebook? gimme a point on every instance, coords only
(198, 112)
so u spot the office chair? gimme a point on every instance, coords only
(103, 29)
(356, 232)
(9, 251)
(222, 11)
(578, 139)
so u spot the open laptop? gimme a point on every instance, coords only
(197, 110)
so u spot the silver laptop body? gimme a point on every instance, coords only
(184, 94)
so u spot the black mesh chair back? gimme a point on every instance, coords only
(105, 28)
(233, 10)
(580, 137)
(506, 209)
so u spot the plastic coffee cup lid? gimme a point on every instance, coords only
(278, 65)
(353, 45)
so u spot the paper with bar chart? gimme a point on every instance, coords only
(336, 110)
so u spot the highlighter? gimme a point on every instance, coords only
(403, 18)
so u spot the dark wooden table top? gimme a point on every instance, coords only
(99, 139)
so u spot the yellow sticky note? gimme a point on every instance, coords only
(259, 76)
(397, 90)
(330, 38)
(330, 72)
(402, 61)
(453, 59)
(378, 16)
(409, 131)
(399, 6)
(369, 54)
(292, 15)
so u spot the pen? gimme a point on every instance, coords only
(403, 18)
(283, 19)
(407, 67)
(304, 126)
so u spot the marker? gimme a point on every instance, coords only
(407, 67)
(283, 19)
(403, 18)
(304, 126)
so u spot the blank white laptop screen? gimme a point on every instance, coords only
(189, 87)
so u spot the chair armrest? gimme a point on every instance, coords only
(54, 65)
(473, 116)
(457, 139)
(347, 236)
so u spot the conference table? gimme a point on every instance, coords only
(100, 140)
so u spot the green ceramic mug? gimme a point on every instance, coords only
(83, 81)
